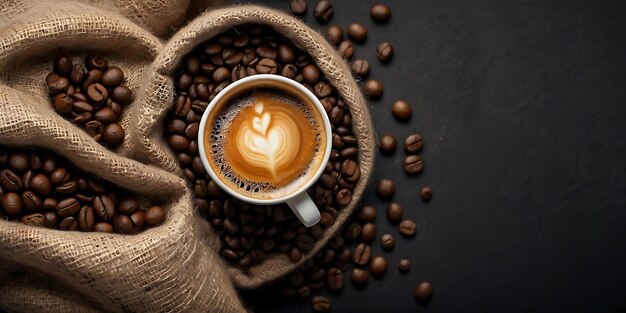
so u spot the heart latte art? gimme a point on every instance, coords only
(263, 143)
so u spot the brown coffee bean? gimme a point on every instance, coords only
(63, 66)
(50, 219)
(63, 103)
(128, 206)
(323, 89)
(404, 265)
(353, 231)
(102, 227)
(423, 291)
(105, 115)
(138, 218)
(295, 255)
(388, 144)
(360, 67)
(359, 276)
(122, 94)
(66, 188)
(350, 170)
(323, 11)
(343, 197)
(40, 184)
(31, 202)
(93, 76)
(19, 161)
(104, 207)
(36, 220)
(394, 212)
(68, 223)
(12, 204)
(334, 279)
(346, 49)
(334, 34)
(86, 218)
(78, 74)
(50, 204)
(82, 118)
(407, 228)
(378, 265)
(311, 74)
(155, 215)
(59, 176)
(384, 52)
(57, 84)
(305, 243)
(267, 66)
(373, 89)
(67, 207)
(320, 304)
(96, 62)
(366, 214)
(368, 232)
(362, 254)
(385, 188)
(357, 32)
(426, 193)
(413, 164)
(123, 224)
(267, 52)
(380, 13)
(413, 143)
(286, 54)
(10, 181)
(113, 134)
(387, 242)
(297, 7)
(401, 110)
(82, 107)
(112, 77)
(221, 74)
(27, 178)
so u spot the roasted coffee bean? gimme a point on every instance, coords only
(373, 89)
(294, 255)
(50, 219)
(353, 231)
(123, 224)
(366, 214)
(112, 77)
(86, 218)
(343, 197)
(426, 193)
(50, 204)
(102, 227)
(384, 52)
(93, 76)
(138, 218)
(387, 242)
(349, 153)
(380, 13)
(66, 188)
(63, 103)
(192, 65)
(368, 232)
(36, 219)
(394, 212)
(221, 74)
(289, 71)
(113, 134)
(82, 107)
(104, 207)
(378, 265)
(320, 303)
(423, 291)
(404, 265)
(360, 67)
(413, 143)
(362, 254)
(286, 54)
(63, 66)
(267, 66)
(401, 110)
(57, 84)
(96, 62)
(83, 118)
(122, 94)
(407, 228)
(334, 34)
(19, 161)
(357, 32)
(385, 188)
(305, 243)
(323, 11)
(27, 178)
(10, 181)
(388, 144)
(311, 74)
(12, 204)
(350, 170)
(346, 49)
(31, 202)
(128, 206)
(413, 164)
(59, 176)
(334, 279)
(69, 223)
(78, 74)
(67, 207)
(323, 89)
(359, 277)
(327, 220)
(297, 7)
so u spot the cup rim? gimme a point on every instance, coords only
(246, 80)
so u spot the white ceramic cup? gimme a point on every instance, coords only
(299, 201)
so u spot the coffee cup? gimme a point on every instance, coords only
(265, 139)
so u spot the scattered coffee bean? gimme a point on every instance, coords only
(385, 188)
(413, 164)
(320, 304)
(401, 110)
(388, 144)
(297, 7)
(334, 34)
(346, 49)
(423, 291)
(413, 143)
(360, 67)
(334, 279)
(387, 242)
(380, 13)
(378, 265)
(368, 232)
(394, 212)
(323, 11)
(384, 52)
(359, 276)
(362, 254)
(407, 228)
(404, 265)
(373, 89)
(426, 193)
(357, 32)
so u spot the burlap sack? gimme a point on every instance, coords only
(157, 96)
(169, 268)
(158, 16)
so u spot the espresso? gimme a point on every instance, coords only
(265, 143)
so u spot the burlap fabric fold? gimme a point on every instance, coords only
(157, 96)
(172, 267)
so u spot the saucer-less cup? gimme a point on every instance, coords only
(299, 201)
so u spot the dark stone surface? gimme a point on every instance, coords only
(522, 106)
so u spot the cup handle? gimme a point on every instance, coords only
(305, 209)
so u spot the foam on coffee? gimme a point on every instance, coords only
(265, 143)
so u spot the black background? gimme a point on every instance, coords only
(523, 109)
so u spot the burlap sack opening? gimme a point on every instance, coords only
(157, 96)
(169, 268)
(157, 16)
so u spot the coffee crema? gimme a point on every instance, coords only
(265, 143)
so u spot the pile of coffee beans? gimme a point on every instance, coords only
(39, 188)
(251, 232)
(92, 96)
